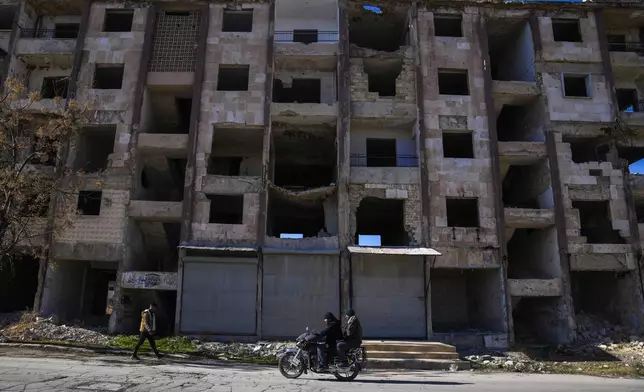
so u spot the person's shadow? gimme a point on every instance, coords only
(398, 382)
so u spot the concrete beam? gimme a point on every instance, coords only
(170, 145)
(602, 261)
(155, 211)
(529, 218)
(535, 287)
(385, 175)
(304, 113)
(237, 185)
(522, 153)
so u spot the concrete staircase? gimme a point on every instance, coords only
(412, 355)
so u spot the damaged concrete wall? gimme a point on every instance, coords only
(412, 210)
(457, 177)
(327, 82)
(586, 51)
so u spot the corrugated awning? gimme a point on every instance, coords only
(403, 251)
(216, 248)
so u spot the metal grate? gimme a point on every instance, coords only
(174, 47)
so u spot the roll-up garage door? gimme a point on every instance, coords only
(298, 290)
(389, 295)
(219, 297)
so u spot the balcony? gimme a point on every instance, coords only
(401, 169)
(166, 144)
(304, 113)
(633, 112)
(516, 93)
(5, 35)
(522, 153)
(306, 43)
(155, 211)
(601, 257)
(535, 287)
(529, 218)
(626, 54)
(214, 184)
(47, 47)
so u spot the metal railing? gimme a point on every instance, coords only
(382, 161)
(635, 47)
(49, 33)
(306, 37)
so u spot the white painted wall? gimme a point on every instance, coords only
(307, 15)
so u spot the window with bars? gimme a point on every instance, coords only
(174, 47)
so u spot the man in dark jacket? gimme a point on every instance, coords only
(352, 336)
(332, 333)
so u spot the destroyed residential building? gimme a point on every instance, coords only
(454, 171)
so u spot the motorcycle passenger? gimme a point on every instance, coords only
(332, 333)
(352, 336)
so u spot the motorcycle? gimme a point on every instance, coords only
(293, 362)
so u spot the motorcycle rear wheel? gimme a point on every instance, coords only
(285, 363)
(350, 376)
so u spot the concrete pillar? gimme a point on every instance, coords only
(566, 311)
(13, 39)
(60, 165)
(343, 152)
(424, 173)
(267, 162)
(193, 135)
(497, 181)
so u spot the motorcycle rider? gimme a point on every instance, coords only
(352, 336)
(332, 333)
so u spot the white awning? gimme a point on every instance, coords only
(403, 251)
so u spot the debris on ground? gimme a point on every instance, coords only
(232, 351)
(30, 327)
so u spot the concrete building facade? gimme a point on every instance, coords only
(454, 171)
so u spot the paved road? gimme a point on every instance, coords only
(45, 371)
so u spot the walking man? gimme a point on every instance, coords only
(147, 329)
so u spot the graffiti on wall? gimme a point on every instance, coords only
(149, 280)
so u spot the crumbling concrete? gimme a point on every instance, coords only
(490, 147)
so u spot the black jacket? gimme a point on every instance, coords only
(332, 333)
(353, 333)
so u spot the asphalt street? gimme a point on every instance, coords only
(45, 371)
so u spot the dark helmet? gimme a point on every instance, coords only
(350, 313)
(329, 316)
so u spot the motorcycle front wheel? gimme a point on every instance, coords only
(350, 374)
(290, 367)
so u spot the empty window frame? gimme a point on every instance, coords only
(453, 82)
(66, 30)
(566, 30)
(240, 21)
(462, 212)
(448, 25)
(458, 145)
(576, 86)
(108, 77)
(55, 86)
(627, 100)
(89, 202)
(233, 78)
(94, 147)
(226, 209)
(617, 43)
(118, 20)
(381, 152)
(305, 36)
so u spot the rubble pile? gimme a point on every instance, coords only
(43, 329)
(511, 363)
(232, 350)
(593, 329)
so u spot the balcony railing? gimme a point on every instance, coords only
(49, 33)
(635, 47)
(306, 37)
(632, 107)
(382, 161)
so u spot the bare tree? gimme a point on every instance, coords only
(32, 175)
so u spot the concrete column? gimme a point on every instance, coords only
(497, 181)
(191, 168)
(605, 55)
(13, 39)
(424, 173)
(177, 310)
(566, 312)
(343, 152)
(267, 163)
(60, 165)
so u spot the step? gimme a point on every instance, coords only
(419, 364)
(371, 354)
(428, 347)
